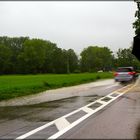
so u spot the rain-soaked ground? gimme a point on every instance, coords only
(65, 92)
(47, 111)
(16, 120)
(27, 117)
(74, 98)
(119, 121)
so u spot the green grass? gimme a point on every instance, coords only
(12, 86)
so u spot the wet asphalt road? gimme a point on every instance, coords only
(119, 120)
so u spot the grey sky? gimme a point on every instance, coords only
(70, 24)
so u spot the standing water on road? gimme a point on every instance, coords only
(47, 111)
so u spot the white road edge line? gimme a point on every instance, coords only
(62, 131)
(84, 117)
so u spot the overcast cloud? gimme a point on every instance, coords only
(75, 25)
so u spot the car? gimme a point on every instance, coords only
(125, 74)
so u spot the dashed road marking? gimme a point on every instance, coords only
(109, 96)
(63, 125)
(87, 109)
(102, 102)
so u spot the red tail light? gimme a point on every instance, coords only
(130, 73)
(115, 74)
(134, 72)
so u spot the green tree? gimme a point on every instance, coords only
(72, 61)
(96, 58)
(136, 24)
(32, 57)
(5, 56)
(50, 49)
(15, 44)
(25, 55)
(59, 61)
(126, 58)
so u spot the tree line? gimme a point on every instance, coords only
(22, 55)
(136, 24)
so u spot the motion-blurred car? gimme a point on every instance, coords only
(125, 74)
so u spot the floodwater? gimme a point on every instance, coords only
(31, 112)
(47, 111)
(61, 93)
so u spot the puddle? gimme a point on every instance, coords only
(76, 116)
(106, 99)
(95, 105)
(46, 111)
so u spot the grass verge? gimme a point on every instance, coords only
(12, 86)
